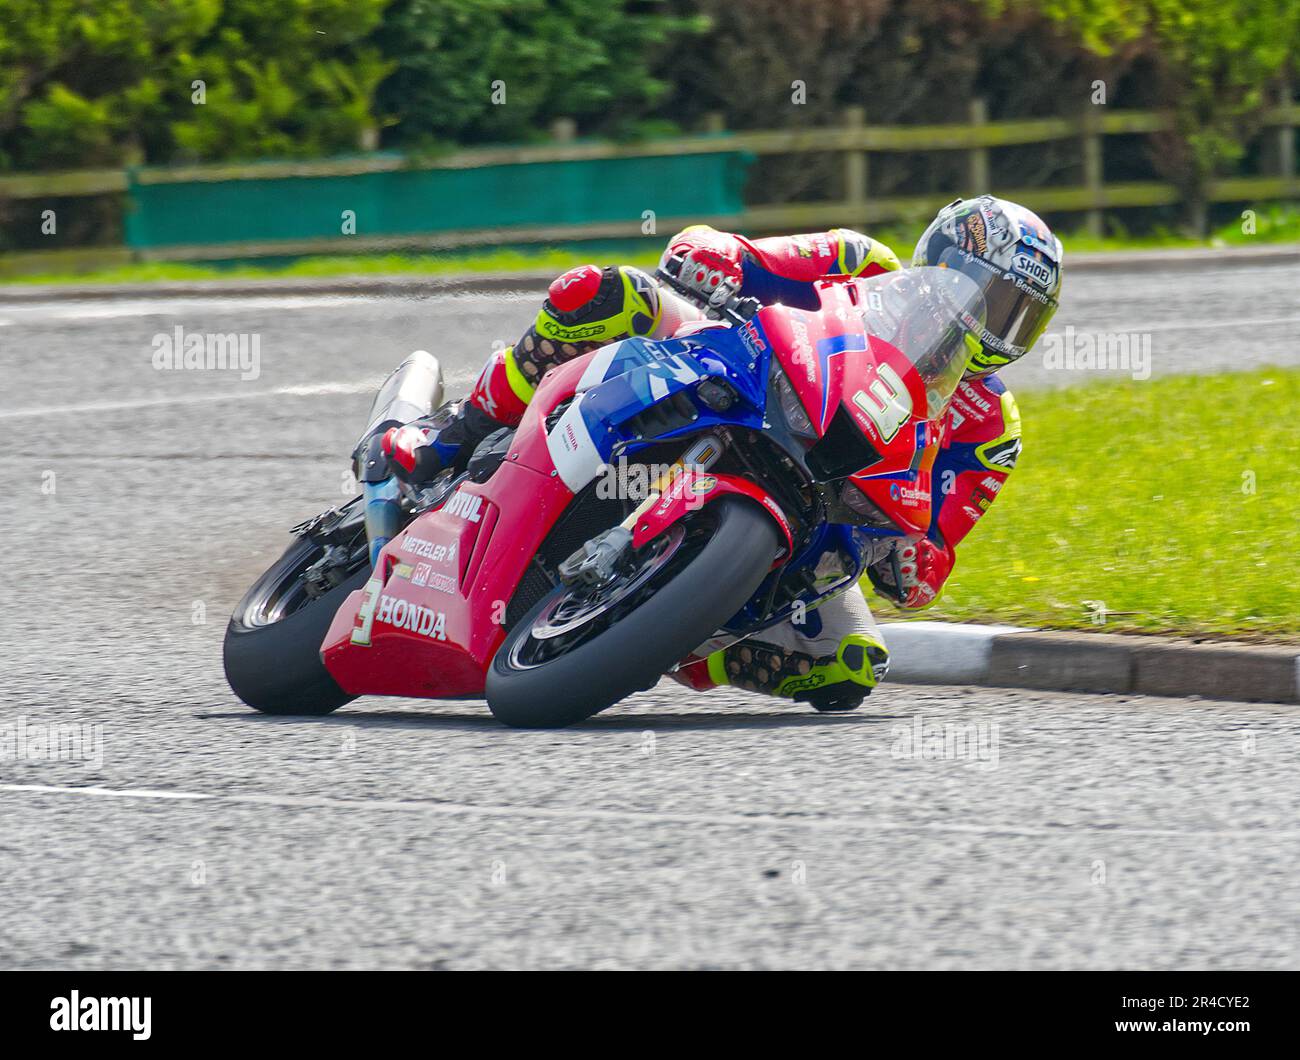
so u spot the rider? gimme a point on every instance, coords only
(836, 655)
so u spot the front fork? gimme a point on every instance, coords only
(701, 455)
(598, 561)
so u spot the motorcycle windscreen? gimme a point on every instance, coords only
(933, 317)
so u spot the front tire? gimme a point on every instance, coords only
(694, 599)
(275, 666)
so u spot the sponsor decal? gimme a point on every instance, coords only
(427, 577)
(801, 684)
(554, 331)
(401, 614)
(1040, 272)
(402, 570)
(465, 506)
(418, 546)
(1002, 454)
(750, 337)
(1029, 289)
(973, 396)
(777, 514)
(801, 352)
(704, 485)
(908, 496)
(582, 272)
(646, 288)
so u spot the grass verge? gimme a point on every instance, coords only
(1171, 505)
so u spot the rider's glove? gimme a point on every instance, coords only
(923, 565)
(409, 453)
(711, 261)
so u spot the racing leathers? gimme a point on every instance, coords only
(836, 654)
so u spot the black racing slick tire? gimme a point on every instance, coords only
(275, 666)
(697, 593)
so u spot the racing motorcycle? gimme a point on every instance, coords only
(781, 451)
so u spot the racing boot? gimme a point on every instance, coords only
(832, 658)
(835, 682)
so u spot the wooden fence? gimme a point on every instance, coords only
(855, 140)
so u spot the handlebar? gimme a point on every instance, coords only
(735, 309)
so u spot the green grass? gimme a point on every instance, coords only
(1175, 502)
(1274, 224)
(503, 260)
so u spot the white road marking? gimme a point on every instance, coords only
(740, 820)
(362, 386)
(36, 312)
(42, 311)
(1182, 325)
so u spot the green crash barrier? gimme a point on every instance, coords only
(434, 200)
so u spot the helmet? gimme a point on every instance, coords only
(1016, 261)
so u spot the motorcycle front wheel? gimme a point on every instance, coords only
(272, 647)
(577, 652)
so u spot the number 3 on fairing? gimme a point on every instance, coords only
(366, 613)
(889, 404)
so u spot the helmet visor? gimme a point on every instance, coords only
(1018, 310)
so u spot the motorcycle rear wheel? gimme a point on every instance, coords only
(726, 552)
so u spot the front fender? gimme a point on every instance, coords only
(691, 490)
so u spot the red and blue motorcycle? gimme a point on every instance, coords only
(656, 495)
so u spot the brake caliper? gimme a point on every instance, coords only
(599, 561)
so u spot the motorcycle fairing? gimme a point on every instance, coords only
(446, 649)
(625, 379)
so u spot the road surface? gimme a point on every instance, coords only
(676, 830)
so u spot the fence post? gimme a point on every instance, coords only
(1286, 137)
(979, 156)
(564, 130)
(1094, 176)
(855, 171)
(714, 122)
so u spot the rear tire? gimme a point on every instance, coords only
(640, 646)
(276, 667)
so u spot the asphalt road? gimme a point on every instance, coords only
(676, 830)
